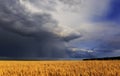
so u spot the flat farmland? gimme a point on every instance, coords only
(60, 68)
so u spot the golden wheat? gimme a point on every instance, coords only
(59, 68)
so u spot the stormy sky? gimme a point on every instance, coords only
(59, 28)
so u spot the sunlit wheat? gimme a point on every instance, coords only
(59, 68)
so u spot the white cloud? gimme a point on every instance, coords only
(69, 14)
(78, 15)
(81, 50)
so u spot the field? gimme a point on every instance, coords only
(60, 68)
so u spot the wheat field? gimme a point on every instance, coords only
(59, 68)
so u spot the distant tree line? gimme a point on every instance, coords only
(105, 58)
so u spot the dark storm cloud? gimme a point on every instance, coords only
(23, 35)
(71, 37)
(46, 45)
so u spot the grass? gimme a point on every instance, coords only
(60, 68)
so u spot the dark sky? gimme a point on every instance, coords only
(59, 28)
